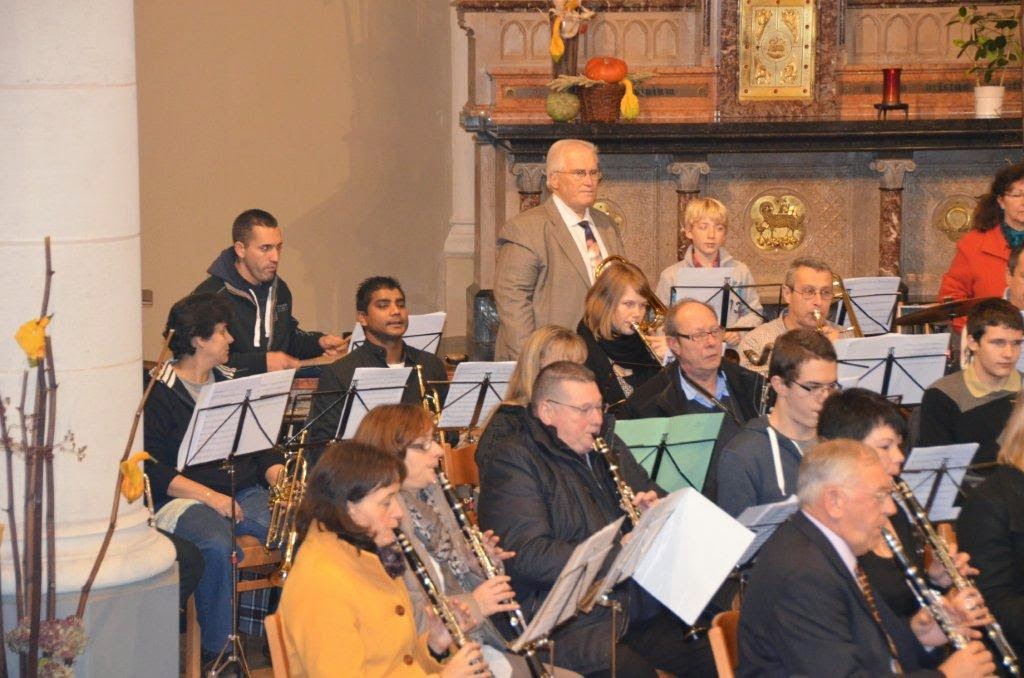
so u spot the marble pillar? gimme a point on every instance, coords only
(69, 132)
(890, 212)
(530, 183)
(687, 176)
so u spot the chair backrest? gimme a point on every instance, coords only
(722, 637)
(275, 638)
(460, 465)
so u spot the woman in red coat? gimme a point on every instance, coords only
(979, 267)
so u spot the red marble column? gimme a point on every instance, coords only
(529, 182)
(687, 188)
(890, 212)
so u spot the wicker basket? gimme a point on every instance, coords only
(600, 103)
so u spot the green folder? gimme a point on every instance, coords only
(675, 451)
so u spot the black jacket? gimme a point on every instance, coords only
(248, 326)
(544, 500)
(628, 351)
(507, 420)
(663, 396)
(168, 411)
(804, 615)
(336, 378)
(991, 528)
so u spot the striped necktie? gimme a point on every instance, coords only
(869, 595)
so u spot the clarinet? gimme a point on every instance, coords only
(925, 595)
(625, 492)
(491, 567)
(438, 601)
(904, 496)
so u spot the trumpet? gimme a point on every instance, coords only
(819, 322)
(905, 497)
(925, 595)
(438, 602)
(626, 494)
(285, 497)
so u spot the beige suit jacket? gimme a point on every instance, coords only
(541, 277)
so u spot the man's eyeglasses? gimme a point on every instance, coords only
(701, 335)
(818, 389)
(583, 410)
(581, 174)
(808, 293)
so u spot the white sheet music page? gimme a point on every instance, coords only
(374, 386)
(763, 520)
(702, 284)
(920, 361)
(424, 332)
(464, 391)
(693, 554)
(211, 432)
(873, 300)
(921, 468)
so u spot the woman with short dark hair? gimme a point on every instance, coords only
(345, 610)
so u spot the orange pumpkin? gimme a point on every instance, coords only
(608, 69)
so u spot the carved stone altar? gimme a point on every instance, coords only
(874, 191)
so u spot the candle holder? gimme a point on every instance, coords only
(891, 94)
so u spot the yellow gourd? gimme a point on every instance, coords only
(557, 47)
(629, 106)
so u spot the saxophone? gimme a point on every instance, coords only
(904, 496)
(285, 497)
(442, 608)
(925, 595)
(625, 492)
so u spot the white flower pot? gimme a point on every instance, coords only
(988, 101)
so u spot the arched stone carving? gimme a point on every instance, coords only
(897, 35)
(605, 38)
(928, 36)
(540, 38)
(636, 41)
(666, 40)
(865, 37)
(513, 41)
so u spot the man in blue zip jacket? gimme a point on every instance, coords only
(267, 335)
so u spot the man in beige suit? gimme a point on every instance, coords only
(547, 255)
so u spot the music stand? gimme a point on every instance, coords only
(763, 520)
(874, 300)
(685, 441)
(939, 472)
(423, 333)
(207, 426)
(893, 364)
(714, 287)
(474, 392)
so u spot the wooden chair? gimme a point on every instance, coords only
(254, 558)
(275, 637)
(460, 465)
(722, 637)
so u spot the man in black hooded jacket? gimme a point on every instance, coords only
(267, 335)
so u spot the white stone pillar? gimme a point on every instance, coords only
(69, 140)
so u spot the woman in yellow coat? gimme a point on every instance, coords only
(345, 610)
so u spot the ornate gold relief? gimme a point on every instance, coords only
(777, 222)
(776, 50)
(954, 216)
(613, 210)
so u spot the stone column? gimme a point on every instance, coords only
(890, 213)
(69, 132)
(530, 182)
(688, 176)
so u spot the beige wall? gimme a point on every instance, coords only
(334, 115)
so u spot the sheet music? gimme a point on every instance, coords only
(464, 391)
(919, 473)
(563, 601)
(921, 360)
(874, 303)
(763, 520)
(374, 386)
(688, 440)
(211, 432)
(702, 284)
(695, 551)
(424, 332)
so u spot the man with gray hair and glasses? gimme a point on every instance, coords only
(548, 254)
(809, 610)
(807, 291)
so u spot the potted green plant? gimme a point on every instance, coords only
(992, 42)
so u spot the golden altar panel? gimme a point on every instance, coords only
(776, 50)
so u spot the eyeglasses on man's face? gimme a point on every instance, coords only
(582, 410)
(701, 335)
(816, 389)
(581, 174)
(808, 293)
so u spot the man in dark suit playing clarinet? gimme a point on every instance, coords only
(810, 611)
